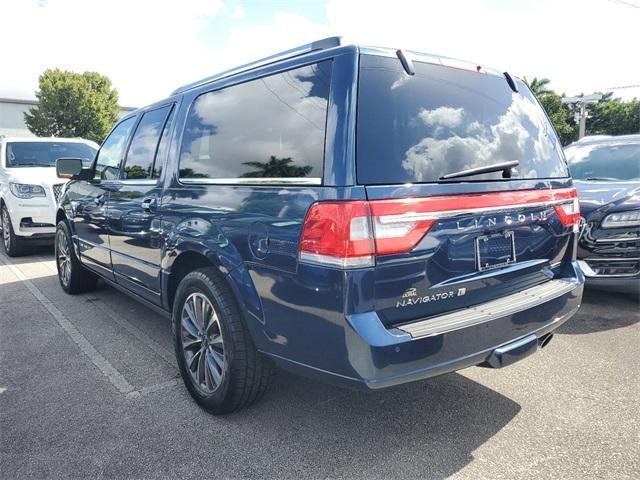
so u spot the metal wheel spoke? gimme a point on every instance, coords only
(216, 341)
(190, 327)
(201, 367)
(213, 369)
(188, 308)
(189, 344)
(218, 358)
(202, 342)
(194, 359)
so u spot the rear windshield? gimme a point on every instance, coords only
(619, 161)
(45, 154)
(443, 120)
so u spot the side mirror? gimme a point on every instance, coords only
(69, 168)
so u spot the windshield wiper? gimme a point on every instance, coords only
(496, 167)
(601, 179)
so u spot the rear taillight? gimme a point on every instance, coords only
(568, 212)
(349, 234)
(338, 234)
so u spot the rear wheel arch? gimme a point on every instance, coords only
(184, 264)
(236, 281)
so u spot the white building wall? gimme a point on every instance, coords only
(12, 116)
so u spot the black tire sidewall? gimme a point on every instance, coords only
(201, 282)
(16, 246)
(75, 263)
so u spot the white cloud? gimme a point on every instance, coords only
(444, 116)
(507, 139)
(149, 47)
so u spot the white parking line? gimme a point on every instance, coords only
(158, 349)
(113, 375)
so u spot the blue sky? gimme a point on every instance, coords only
(149, 47)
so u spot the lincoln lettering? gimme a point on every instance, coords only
(508, 219)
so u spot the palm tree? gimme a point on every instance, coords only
(539, 86)
(276, 167)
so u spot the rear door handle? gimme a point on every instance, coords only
(149, 204)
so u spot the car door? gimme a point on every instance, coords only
(89, 200)
(132, 215)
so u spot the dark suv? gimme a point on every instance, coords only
(359, 215)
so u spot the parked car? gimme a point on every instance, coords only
(606, 170)
(435, 233)
(29, 187)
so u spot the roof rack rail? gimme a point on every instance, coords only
(322, 44)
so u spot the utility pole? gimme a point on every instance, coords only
(581, 102)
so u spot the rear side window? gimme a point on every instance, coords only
(443, 120)
(144, 144)
(268, 128)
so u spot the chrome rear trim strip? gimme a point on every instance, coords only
(417, 216)
(489, 311)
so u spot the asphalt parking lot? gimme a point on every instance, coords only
(89, 389)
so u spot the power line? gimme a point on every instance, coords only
(627, 3)
(637, 85)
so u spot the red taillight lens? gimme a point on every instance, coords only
(339, 234)
(568, 212)
(348, 234)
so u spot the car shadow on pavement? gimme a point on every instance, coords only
(432, 427)
(607, 311)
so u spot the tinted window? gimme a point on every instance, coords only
(443, 120)
(161, 155)
(45, 154)
(270, 127)
(142, 151)
(620, 161)
(112, 151)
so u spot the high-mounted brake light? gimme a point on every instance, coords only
(349, 234)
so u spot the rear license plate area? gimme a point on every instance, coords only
(495, 251)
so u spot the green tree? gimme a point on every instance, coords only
(539, 86)
(561, 117)
(276, 167)
(613, 116)
(73, 105)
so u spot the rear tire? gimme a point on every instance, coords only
(218, 361)
(14, 245)
(73, 277)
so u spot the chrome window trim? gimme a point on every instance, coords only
(492, 310)
(254, 181)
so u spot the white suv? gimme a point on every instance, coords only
(29, 187)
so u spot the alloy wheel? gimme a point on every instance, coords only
(202, 342)
(63, 258)
(6, 233)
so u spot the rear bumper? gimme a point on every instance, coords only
(382, 357)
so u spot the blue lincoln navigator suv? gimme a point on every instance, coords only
(364, 216)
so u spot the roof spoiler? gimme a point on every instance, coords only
(322, 44)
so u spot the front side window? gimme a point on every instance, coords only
(45, 154)
(272, 127)
(611, 162)
(112, 151)
(144, 144)
(442, 120)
